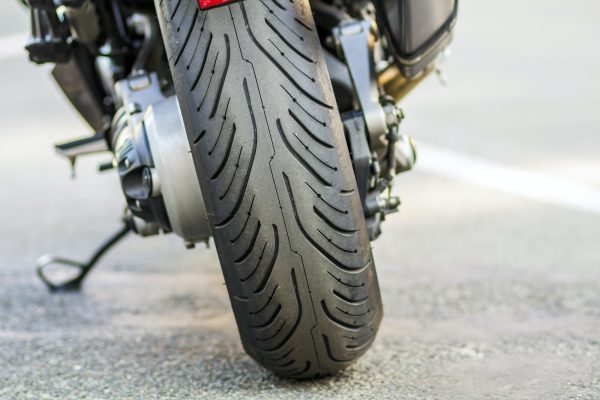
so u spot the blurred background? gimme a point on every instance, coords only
(490, 272)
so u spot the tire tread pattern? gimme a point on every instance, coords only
(273, 165)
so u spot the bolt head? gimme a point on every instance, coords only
(147, 182)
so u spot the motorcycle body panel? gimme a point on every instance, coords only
(418, 30)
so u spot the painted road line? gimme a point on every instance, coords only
(481, 172)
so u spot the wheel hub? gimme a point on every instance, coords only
(154, 162)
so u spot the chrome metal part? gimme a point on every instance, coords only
(154, 162)
(406, 153)
(174, 166)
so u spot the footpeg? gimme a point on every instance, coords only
(81, 147)
(73, 281)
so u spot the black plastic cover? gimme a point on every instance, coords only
(417, 29)
(78, 80)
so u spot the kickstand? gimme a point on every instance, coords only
(74, 283)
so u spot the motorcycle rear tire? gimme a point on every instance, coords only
(273, 165)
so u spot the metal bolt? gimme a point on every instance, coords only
(151, 182)
(393, 115)
(147, 182)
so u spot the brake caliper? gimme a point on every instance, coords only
(378, 150)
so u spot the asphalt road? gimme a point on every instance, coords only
(489, 291)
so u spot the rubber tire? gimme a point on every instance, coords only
(273, 165)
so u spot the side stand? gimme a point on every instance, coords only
(74, 284)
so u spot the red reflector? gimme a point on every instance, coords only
(204, 4)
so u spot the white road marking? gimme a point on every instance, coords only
(13, 46)
(488, 174)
